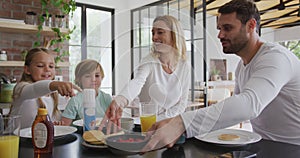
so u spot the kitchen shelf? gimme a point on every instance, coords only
(21, 63)
(15, 27)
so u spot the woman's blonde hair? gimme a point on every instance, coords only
(86, 67)
(176, 34)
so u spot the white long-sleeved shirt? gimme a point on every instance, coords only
(26, 103)
(267, 92)
(153, 84)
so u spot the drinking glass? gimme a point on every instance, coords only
(9, 136)
(148, 112)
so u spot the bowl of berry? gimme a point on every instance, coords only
(126, 144)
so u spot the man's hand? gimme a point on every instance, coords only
(164, 133)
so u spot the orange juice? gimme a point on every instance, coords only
(9, 146)
(147, 121)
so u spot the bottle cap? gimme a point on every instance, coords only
(42, 111)
(89, 97)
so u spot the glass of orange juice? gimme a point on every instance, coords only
(148, 113)
(9, 136)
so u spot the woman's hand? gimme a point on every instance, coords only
(64, 88)
(112, 117)
(164, 133)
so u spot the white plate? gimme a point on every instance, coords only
(246, 137)
(80, 122)
(94, 146)
(58, 131)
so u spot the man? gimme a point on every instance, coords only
(267, 86)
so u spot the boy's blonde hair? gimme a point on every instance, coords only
(86, 67)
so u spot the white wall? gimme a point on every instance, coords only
(287, 34)
(214, 48)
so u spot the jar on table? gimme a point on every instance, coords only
(59, 21)
(3, 55)
(31, 18)
(47, 20)
(6, 92)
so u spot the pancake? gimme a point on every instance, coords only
(93, 136)
(228, 137)
(97, 136)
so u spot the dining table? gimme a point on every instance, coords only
(71, 146)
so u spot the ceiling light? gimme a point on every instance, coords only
(281, 5)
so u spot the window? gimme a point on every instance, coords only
(93, 39)
(293, 46)
(141, 23)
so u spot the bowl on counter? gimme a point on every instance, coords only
(127, 124)
(126, 144)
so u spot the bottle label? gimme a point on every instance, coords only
(89, 119)
(40, 135)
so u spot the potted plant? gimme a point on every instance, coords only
(64, 7)
(215, 75)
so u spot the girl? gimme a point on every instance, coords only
(88, 74)
(37, 89)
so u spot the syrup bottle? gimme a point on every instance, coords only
(42, 133)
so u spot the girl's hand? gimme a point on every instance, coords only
(64, 88)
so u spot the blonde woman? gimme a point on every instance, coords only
(37, 89)
(88, 74)
(162, 77)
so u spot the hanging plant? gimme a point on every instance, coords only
(65, 7)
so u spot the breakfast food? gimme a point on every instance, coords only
(94, 136)
(97, 137)
(129, 140)
(228, 137)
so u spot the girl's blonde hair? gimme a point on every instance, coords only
(176, 34)
(28, 60)
(27, 78)
(86, 67)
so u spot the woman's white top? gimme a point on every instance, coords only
(27, 105)
(152, 84)
(267, 92)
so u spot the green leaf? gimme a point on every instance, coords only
(44, 4)
(38, 35)
(57, 50)
(42, 19)
(36, 44)
(53, 42)
(55, 29)
(57, 3)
